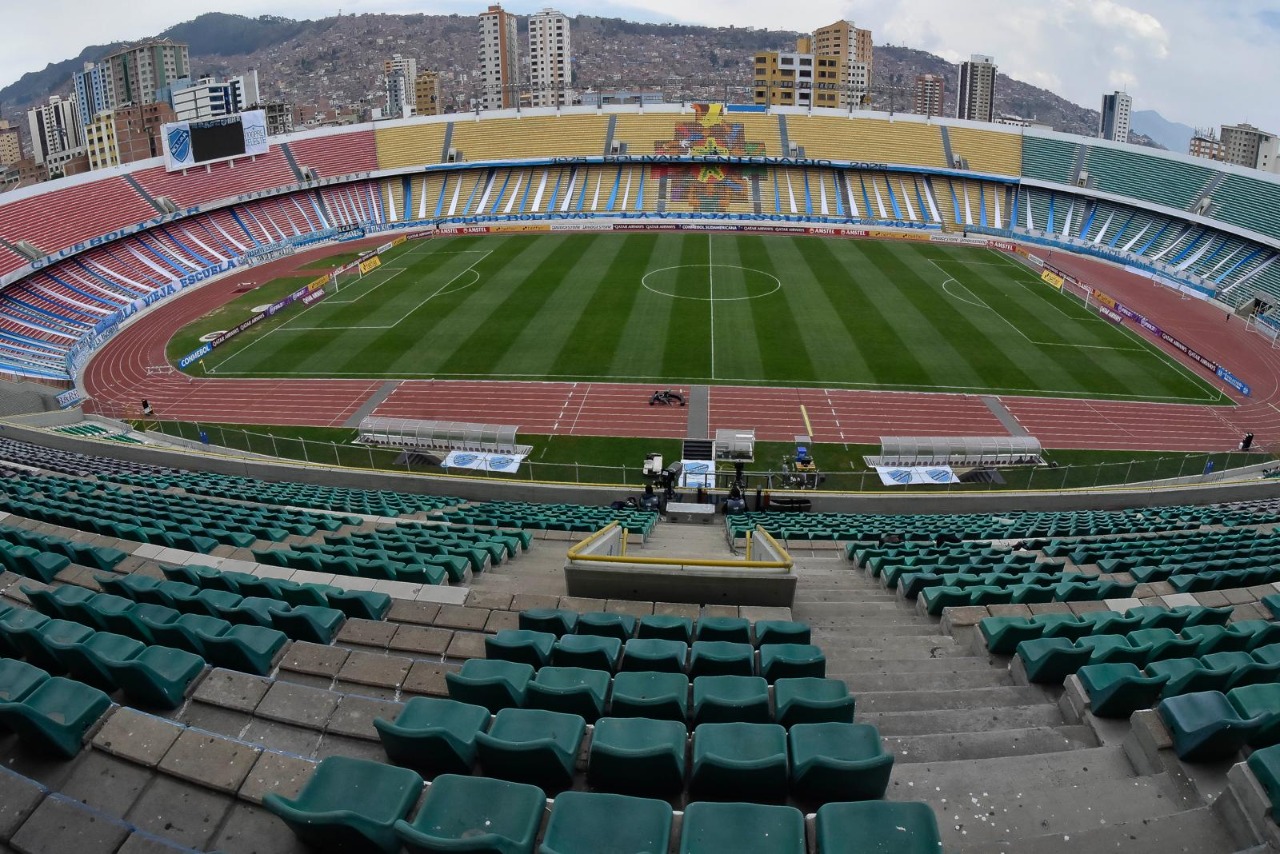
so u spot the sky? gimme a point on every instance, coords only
(1200, 62)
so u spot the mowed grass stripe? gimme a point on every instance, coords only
(640, 344)
(779, 344)
(686, 348)
(737, 292)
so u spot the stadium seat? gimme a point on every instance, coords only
(1119, 690)
(781, 631)
(721, 658)
(590, 651)
(1050, 660)
(714, 828)
(1188, 676)
(1259, 701)
(1113, 649)
(89, 660)
(349, 804)
(532, 746)
(158, 676)
(1206, 727)
(609, 625)
(728, 629)
(791, 661)
(1265, 765)
(730, 699)
(42, 643)
(521, 646)
(637, 756)
(880, 827)
(662, 627)
(838, 762)
(251, 649)
(664, 696)
(811, 700)
(593, 822)
(18, 679)
(55, 715)
(463, 813)
(433, 735)
(557, 621)
(739, 762)
(1165, 643)
(573, 690)
(495, 685)
(655, 655)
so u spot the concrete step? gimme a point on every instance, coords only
(1194, 831)
(988, 745)
(974, 698)
(856, 629)
(900, 648)
(961, 720)
(844, 664)
(958, 681)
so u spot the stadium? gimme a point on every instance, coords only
(325, 639)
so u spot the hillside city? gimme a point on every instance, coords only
(112, 111)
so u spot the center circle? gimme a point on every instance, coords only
(711, 282)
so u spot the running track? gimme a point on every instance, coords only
(117, 379)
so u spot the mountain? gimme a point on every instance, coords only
(338, 61)
(1171, 135)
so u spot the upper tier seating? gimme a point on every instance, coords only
(338, 154)
(415, 144)
(1048, 159)
(987, 150)
(1249, 203)
(905, 141)
(1130, 173)
(529, 136)
(67, 215)
(215, 181)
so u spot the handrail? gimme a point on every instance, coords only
(574, 553)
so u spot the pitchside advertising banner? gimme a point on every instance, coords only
(483, 461)
(308, 294)
(1052, 279)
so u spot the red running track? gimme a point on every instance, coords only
(117, 379)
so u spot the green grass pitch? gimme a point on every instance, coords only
(719, 309)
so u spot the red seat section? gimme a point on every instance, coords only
(218, 181)
(336, 154)
(59, 218)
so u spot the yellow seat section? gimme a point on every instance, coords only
(868, 140)
(704, 129)
(530, 136)
(988, 151)
(409, 145)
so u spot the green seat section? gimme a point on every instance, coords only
(655, 655)
(1206, 727)
(573, 690)
(158, 676)
(637, 756)
(103, 610)
(1050, 660)
(557, 621)
(590, 651)
(731, 699)
(251, 610)
(1119, 690)
(781, 631)
(521, 646)
(739, 762)
(495, 685)
(711, 828)
(1243, 668)
(812, 700)
(601, 823)
(362, 604)
(877, 827)
(433, 735)
(1261, 700)
(185, 632)
(475, 814)
(730, 629)
(1189, 676)
(90, 660)
(664, 696)
(218, 603)
(721, 658)
(1269, 654)
(42, 643)
(251, 649)
(838, 762)
(14, 624)
(309, 623)
(532, 746)
(18, 679)
(1063, 626)
(139, 588)
(1265, 765)
(55, 716)
(609, 625)
(1155, 617)
(791, 661)
(1165, 643)
(349, 805)
(665, 627)
(58, 602)
(1113, 649)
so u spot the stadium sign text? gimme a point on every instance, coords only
(110, 237)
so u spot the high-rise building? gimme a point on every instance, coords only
(400, 73)
(1245, 145)
(786, 78)
(976, 96)
(280, 117)
(211, 97)
(550, 60)
(854, 52)
(56, 135)
(426, 87)
(127, 134)
(499, 60)
(10, 143)
(1117, 110)
(1205, 144)
(931, 91)
(138, 74)
(93, 91)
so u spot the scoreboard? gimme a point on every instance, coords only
(188, 144)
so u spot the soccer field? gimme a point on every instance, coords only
(717, 309)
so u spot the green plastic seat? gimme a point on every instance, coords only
(602, 823)
(433, 735)
(309, 623)
(609, 625)
(1243, 668)
(252, 610)
(712, 828)
(1113, 649)
(159, 676)
(363, 604)
(1048, 661)
(791, 661)
(1063, 626)
(1165, 643)
(781, 631)
(879, 827)
(42, 643)
(1189, 676)
(139, 588)
(721, 658)
(665, 627)
(730, 699)
(58, 602)
(89, 660)
(521, 646)
(637, 756)
(105, 609)
(739, 762)
(215, 603)
(838, 762)
(1119, 690)
(654, 655)
(664, 696)
(15, 623)
(18, 679)
(55, 716)
(1206, 727)
(557, 621)
(573, 690)
(812, 700)
(1265, 765)
(1155, 617)
(495, 685)
(532, 746)
(729, 629)
(251, 649)
(475, 814)
(1260, 700)
(589, 651)
(349, 805)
